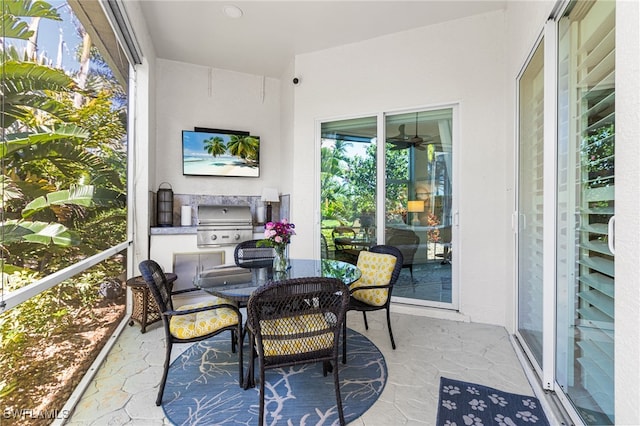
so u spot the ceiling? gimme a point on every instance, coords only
(269, 34)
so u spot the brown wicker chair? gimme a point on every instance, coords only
(342, 237)
(177, 321)
(297, 321)
(407, 242)
(324, 247)
(247, 253)
(356, 302)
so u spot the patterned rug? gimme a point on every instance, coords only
(463, 403)
(202, 387)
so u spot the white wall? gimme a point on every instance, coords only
(627, 293)
(144, 131)
(455, 62)
(287, 111)
(191, 96)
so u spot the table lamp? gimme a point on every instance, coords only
(415, 207)
(270, 195)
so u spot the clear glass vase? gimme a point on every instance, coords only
(281, 258)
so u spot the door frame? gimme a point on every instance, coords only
(380, 195)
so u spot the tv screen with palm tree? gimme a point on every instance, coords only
(220, 154)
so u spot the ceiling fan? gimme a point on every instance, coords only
(402, 141)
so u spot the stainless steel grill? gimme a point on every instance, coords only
(223, 225)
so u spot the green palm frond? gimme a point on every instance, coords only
(71, 159)
(78, 195)
(17, 141)
(24, 88)
(12, 10)
(21, 77)
(245, 147)
(215, 146)
(9, 190)
(37, 232)
(12, 27)
(30, 8)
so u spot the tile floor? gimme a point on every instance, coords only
(124, 389)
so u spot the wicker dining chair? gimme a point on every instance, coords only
(249, 252)
(344, 249)
(380, 268)
(192, 322)
(324, 247)
(297, 321)
(407, 242)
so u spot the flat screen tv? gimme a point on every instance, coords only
(226, 153)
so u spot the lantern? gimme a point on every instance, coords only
(165, 205)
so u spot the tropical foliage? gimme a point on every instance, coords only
(598, 155)
(245, 147)
(62, 178)
(348, 182)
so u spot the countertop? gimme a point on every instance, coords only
(181, 230)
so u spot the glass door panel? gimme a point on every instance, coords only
(530, 203)
(586, 187)
(418, 202)
(348, 187)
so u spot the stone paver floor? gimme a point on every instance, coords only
(124, 389)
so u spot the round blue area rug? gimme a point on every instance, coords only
(203, 389)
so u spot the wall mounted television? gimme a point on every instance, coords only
(212, 152)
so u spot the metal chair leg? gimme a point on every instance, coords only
(393, 343)
(164, 374)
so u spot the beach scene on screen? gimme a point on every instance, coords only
(220, 154)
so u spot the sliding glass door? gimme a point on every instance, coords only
(586, 196)
(416, 184)
(530, 203)
(348, 187)
(566, 202)
(419, 195)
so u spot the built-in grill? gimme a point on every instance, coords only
(223, 225)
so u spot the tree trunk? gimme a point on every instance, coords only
(85, 60)
(32, 43)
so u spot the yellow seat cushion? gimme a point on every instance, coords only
(376, 269)
(292, 326)
(202, 323)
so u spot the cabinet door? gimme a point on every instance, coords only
(179, 253)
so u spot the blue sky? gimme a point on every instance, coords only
(193, 142)
(49, 35)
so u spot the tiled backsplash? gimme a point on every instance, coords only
(279, 210)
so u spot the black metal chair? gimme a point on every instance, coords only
(249, 252)
(193, 322)
(372, 292)
(297, 321)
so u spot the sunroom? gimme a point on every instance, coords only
(513, 106)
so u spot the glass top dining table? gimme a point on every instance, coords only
(235, 282)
